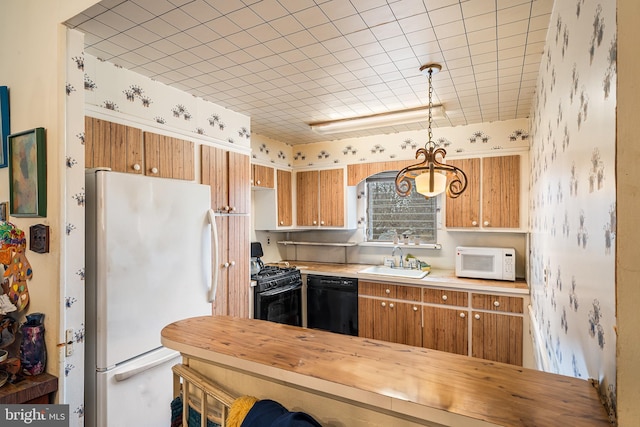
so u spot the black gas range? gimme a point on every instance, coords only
(277, 295)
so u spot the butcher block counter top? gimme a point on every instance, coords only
(438, 278)
(413, 385)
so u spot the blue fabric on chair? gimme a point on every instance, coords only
(269, 413)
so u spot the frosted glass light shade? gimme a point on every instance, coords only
(423, 181)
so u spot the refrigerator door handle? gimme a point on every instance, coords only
(213, 285)
(125, 375)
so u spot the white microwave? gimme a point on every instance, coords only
(486, 263)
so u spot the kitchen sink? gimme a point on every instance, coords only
(397, 272)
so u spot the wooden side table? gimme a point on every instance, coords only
(38, 389)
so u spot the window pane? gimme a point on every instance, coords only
(388, 213)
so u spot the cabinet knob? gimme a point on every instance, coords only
(415, 308)
(321, 222)
(232, 263)
(474, 223)
(225, 265)
(136, 167)
(463, 315)
(281, 222)
(315, 222)
(444, 297)
(384, 304)
(225, 208)
(486, 223)
(390, 305)
(496, 303)
(477, 317)
(154, 170)
(258, 182)
(387, 291)
(232, 209)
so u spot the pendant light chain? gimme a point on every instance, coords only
(430, 104)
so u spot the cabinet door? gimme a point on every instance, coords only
(168, 157)
(221, 300)
(497, 337)
(332, 198)
(446, 329)
(285, 211)
(408, 324)
(112, 145)
(262, 176)
(214, 173)
(238, 273)
(464, 211)
(239, 183)
(375, 319)
(307, 197)
(501, 192)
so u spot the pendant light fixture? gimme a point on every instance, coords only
(430, 175)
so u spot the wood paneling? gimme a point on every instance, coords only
(285, 205)
(497, 303)
(446, 329)
(113, 145)
(239, 182)
(307, 197)
(464, 211)
(446, 296)
(262, 176)
(360, 171)
(332, 198)
(497, 337)
(501, 192)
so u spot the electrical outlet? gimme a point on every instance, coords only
(39, 238)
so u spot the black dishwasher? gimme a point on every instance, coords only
(332, 304)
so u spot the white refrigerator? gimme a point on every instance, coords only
(148, 263)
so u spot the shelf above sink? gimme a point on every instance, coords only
(382, 270)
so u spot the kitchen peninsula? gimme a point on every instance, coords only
(350, 381)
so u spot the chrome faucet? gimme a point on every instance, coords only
(393, 253)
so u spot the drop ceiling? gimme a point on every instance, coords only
(288, 63)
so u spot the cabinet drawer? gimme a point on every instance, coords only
(408, 293)
(497, 303)
(446, 297)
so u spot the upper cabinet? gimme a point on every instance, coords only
(112, 145)
(228, 173)
(121, 148)
(492, 198)
(168, 157)
(262, 176)
(324, 200)
(274, 208)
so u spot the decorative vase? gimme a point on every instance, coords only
(33, 352)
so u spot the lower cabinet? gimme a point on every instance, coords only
(387, 318)
(487, 326)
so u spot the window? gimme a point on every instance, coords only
(389, 214)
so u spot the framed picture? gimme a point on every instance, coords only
(4, 124)
(28, 173)
(4, 211)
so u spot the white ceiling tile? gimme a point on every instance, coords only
(406, 8)
(279, 45)
(482, 48)
(513, 14)
(512, 29)
(223, 26)
(203, 34)
(115, 20)
(242, 39)
(223, 46)
(398, 55)
(113, 48)
(269, 10)
(445, 15)
(473, 8)
(180, 19)
(98, 29)
(452, 42)
(295, 5)
(415, 23)
(420, 37)
(264, 32)
(311, 17)
(184, 40)
(133, 12)
(387, 31)
(160, 27)
(514, 52)
(451, 29)
(324, 32)
(481, 36)
(361, 38)
(338, 9)
(377, 16)
(287, 25)
(200, 10)
(364, 5)
(516, 41)
(480, 22)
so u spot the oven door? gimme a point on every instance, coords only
(280, 305)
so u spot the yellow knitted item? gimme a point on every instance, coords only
(239, 409)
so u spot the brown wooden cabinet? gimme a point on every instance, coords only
(228, 174)
(262, 176)
(320, 198)
(390, 313)
(285, 205)
(492, 198)
(446, 329)
(496, 335)
(112, 145)
(128, 149)
(168, 157)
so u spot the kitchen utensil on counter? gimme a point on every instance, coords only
(256, 252)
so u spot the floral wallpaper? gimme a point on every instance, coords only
(573, 197)
(124, 93)
(71, 375)
(457, 141)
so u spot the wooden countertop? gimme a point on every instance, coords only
(28, 389)
(441, 278)
(400, 379)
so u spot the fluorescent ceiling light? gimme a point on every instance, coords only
(374, 121)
